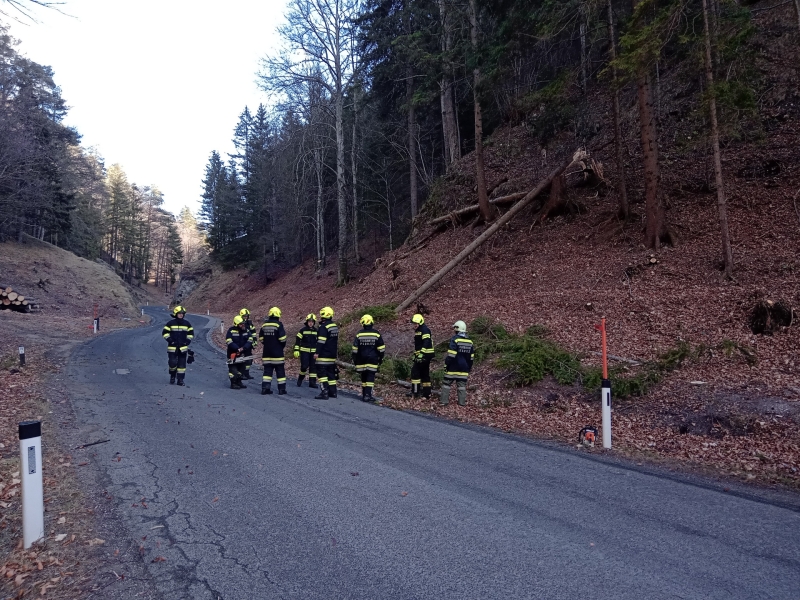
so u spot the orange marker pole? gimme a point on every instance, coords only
(605, 388)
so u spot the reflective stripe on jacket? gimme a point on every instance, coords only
(179, 334)
(368, 348)
(460, 354)
(306, 339)
(423, 341)
(273, 336)
(237, 340)
(327, 341)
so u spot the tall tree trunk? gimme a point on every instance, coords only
(452, 147)
(797, 11)
(412, 144)
(487, 210)
(341, 199)
(655, 226)
(320, 213)
(584, 59)
(353, 167)
(722, 207)
(623, 210)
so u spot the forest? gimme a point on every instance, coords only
(55, 190)
(372, 102)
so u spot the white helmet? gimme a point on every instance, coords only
(460, 326)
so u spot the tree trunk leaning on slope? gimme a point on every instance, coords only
(623, 210)
(727, 252)
(475, 208)
(487, 210)
(490, 231)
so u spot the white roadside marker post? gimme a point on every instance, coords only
(22, 356)
(30, 447)
(605, 388)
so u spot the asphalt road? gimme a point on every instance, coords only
(238, 495)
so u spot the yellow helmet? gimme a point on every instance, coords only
(275, 312)
(326, 313)
(244, 312)
(178, 309)
(367, 320)
(311, 317)
(460, 326)
(238, 320)
(418, 319)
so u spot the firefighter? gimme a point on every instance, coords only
(251, 329)
(326, 352)
(239, 342)
(368, 353)
(458, 364)
(304, 348)
(273, 336)
(179, 334)
(423, 355)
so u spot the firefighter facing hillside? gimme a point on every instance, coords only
(304, 348)
(179, 334)
(458, 364)
(253, 332)
(273, 336)
(326, 352)
(239, 342)
(368, 352)
(423, 354)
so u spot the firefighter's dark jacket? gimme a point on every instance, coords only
(327, 341)
(306, 339)
(179, 334)
(368, 348)
(460, 354)
(273, 336)
(238, 340)
(423, 342)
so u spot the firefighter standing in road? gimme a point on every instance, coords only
(304, 348)
(458, 364)
(179, 334)
(326, 353)
(273, 336)
(423, 354)
(239, 342)
(368, 352)
(251, 329)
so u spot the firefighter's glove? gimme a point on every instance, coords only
(297, 354)
(190, 360)
(418, 356)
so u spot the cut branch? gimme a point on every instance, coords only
(476, 207)
(514, 211)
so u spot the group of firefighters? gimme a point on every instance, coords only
(316, 345)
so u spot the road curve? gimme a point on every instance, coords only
(239, 495)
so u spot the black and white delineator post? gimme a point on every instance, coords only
(22, 356)
(30, 447)
(605, 388)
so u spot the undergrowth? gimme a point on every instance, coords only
(382, 313)
(530, 357)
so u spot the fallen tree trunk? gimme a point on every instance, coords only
(516, 209)
(475, 208)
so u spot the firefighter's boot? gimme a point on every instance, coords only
(172, 378)
(323, 393)
(312, 382)
(265, 388)
(281, 389)
(331, 390)
(300, 379)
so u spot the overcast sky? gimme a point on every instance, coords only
(155, 85)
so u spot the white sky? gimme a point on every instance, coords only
(155, 85)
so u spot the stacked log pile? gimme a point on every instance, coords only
(11, 300)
